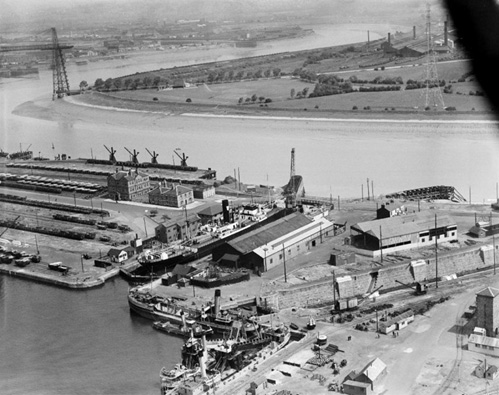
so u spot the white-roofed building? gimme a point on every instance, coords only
(403, 232)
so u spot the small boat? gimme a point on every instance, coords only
(171, 378)
(197, 330)
(22, 262)
(311, 323)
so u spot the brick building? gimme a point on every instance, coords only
(177, 229)
(487, 310)
(175, 196)
(131, 185)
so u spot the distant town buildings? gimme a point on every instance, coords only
(130, 185)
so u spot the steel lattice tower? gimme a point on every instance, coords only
(60, 77)
(432, 93)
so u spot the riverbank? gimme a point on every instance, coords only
(111, 102)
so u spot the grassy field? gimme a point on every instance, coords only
(278, 90)
(447, 71)
(223, 94)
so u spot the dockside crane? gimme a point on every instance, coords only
(134, 156)
(419, 288)
(183, 158)
(111, 151)
(154, 155)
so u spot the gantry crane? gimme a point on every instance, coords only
(59, 76)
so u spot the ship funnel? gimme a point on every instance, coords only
(202, 359)
(218, 293)
(184, 324)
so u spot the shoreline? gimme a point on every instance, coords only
(229, 112)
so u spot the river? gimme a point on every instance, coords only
(55, 341)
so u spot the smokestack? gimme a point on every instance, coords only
(225, 209)
(218, 293)
(202, 359)
(389, 39)
(414, 32)
(446, 38)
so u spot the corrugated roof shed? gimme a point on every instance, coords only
(402, 225)
(484, 340)
(269, 232)
(373, 369)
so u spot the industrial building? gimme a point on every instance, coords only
(483, 344)
(487, 310)
(177, 229)
(272, 244)
(203, 191)
(131, 185)
(367, 380)
(213, 213)
(484, 229)
(401, 233)
(174, 196)
(412, 45)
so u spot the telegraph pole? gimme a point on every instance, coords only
(436, 252)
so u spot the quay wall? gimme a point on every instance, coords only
(355, 284)
(63, 282)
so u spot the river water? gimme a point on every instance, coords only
(55, 341)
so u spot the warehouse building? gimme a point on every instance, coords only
(272, 244)
(401, 233)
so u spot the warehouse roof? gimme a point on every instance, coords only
(402, 225)
(484, 340)
(270, 232)
(211, 210)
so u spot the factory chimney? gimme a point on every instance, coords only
(446, 38)
(414, 32)
(218, 293)
(389, 39)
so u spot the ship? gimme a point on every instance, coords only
(166, 258)
(158, 308)
(24, 155)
